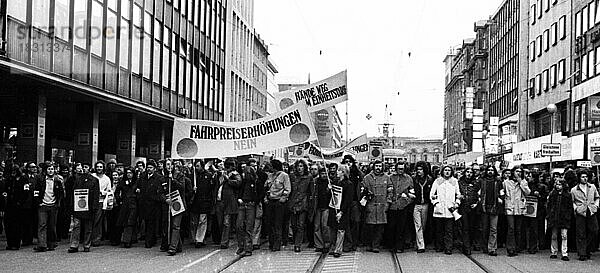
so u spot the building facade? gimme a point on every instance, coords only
(240, 56)
(90, 79)
(260, 72)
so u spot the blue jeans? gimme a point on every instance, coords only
(47, 226)
(245, 225)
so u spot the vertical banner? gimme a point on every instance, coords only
(195, 139)
(177, 206)
(81, 200)
(318, 96)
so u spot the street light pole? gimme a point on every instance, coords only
(552, 110)
(484, 134)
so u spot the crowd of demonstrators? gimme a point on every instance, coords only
(478, 208)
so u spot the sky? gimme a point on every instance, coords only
(393, 51)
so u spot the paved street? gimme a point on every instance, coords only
(212, 259)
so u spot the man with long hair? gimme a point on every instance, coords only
(585, 203)
(422, 183)
(491, 194)
(48, 192)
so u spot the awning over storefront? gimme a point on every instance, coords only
(530, 151)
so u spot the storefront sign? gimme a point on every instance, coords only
(551, 149)
(594, 108)
(584, 164)
(530, 151)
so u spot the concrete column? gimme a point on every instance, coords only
(31, 138)
(156, 140)
(126, 138)
(86, 129)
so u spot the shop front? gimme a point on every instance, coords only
(529, 153)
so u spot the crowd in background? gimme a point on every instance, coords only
(395, 207)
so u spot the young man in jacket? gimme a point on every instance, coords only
(48, 191)
(105, 186)
(278, 189)
(175, 180)
(471, 229)
(300, 182)
(151, 196)
(379, 186)
(28, 214)
(227, 183)
(422, 183)
(84, 204)
(201, 205)
(352, 236)
(585, 204)
(402, 196)
(251, 192)
(516, 189)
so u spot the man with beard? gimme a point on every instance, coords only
(250, 194)
(82, 209)
(227, 182)
(491, 194)
(105, 186)
(422, 183)
(402, 196)
(379, 186)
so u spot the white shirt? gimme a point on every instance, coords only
(104, 183)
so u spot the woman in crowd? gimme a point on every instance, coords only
(516, 189)
(560, 210)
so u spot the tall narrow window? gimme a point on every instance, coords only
(546, 40)
(585, 22)
(80, 24)
(40, 17)
(592, 13)
(577, 24)
(553, 76)
(554, 34)
(591, 62)
(562, 26)
(597, 16)
(61, 19)
(96, 29)
(545, 80)
(17, 9)
(561, 71)
(124, 44)
(597, 62)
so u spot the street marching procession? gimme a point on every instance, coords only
(330, 201)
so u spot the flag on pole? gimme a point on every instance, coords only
(336, 197)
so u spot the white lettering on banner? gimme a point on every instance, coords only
(357, 147)
(318, 96)
(194, 139)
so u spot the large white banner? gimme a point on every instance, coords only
(319, 95)
(358, 147)
(194, 139)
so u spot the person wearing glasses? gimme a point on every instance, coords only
(516, 189)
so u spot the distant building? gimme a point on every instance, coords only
(412, 150)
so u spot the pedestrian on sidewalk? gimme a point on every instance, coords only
(471, 216)
(100, 213)
(422, 183)
(201, 205)
(321, 196)
(126, 196)
(585, 203)
(559, 208)
(227, 183)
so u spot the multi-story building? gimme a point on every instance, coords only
(260, 72)
(101, 79)
(240, 56)
(508, 32)
(412, 150)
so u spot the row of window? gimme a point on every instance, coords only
(550, 37)
(581, 121)
(504, 20)
(587, 65)
(548, 79)
(587, 18)
(539, 7)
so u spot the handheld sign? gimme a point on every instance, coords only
(177, 206)
(81, 200)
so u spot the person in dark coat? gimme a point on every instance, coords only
(48, 192)
(13, 206)
(422, 183)
(352, 237)
(471, 217)
(175, 181)
(262, 176)
(28, 211)
(559, 213)
(151, 196)
(300, 181)
(88, 189)
(126, 197)
(491, 196)
(250, 194)
(227, 183)
(339, 219)
(202, 203)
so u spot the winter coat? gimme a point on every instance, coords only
(203, 200)
(320, 196)
(300, 191)
(559, 209)
(444, 195)
(402, 187)
(39, 189)
(584, 201)
(469, 190)
(151, 194)
(422, 186)
(25, 191)
(494, 206)
(126, 196)
(89, 182)
(278, 186)
(514, 201)
(251, 190)
(380, 186)
(345, 205)
(230, 184)
(12, 191)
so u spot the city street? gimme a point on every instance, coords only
(213, 259)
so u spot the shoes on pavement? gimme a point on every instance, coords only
(318, 250)
(198, 245)
(239, 251)
(448, 252)
(247, 253)
(275, 249)
(420, 250)
(296, 249)
(39, 249)
(565, 258)
(164, 249)
(553, 256)
(171, 253)
(72, 250)
(51, 249)
(337, 255)
(375, 250)
(476, 248)
(325, 250)
(512, 254)
(96, 244)
(493, 253)
(255, 247)
(399, 251)
(581, 258)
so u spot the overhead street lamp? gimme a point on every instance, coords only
(552, 110)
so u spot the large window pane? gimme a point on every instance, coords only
(124, 46)
(125, 4)
(147, 61)
(136, 43)
(156, 61)
(61, 19)
(96, 30)
(112, 4)
(80, 24)
(41, 14)
(137, 16)
(165, 68)
(17, 9)
(111, 37)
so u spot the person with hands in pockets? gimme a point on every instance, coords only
(278, 189)
(445, 197)
(515, 189)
